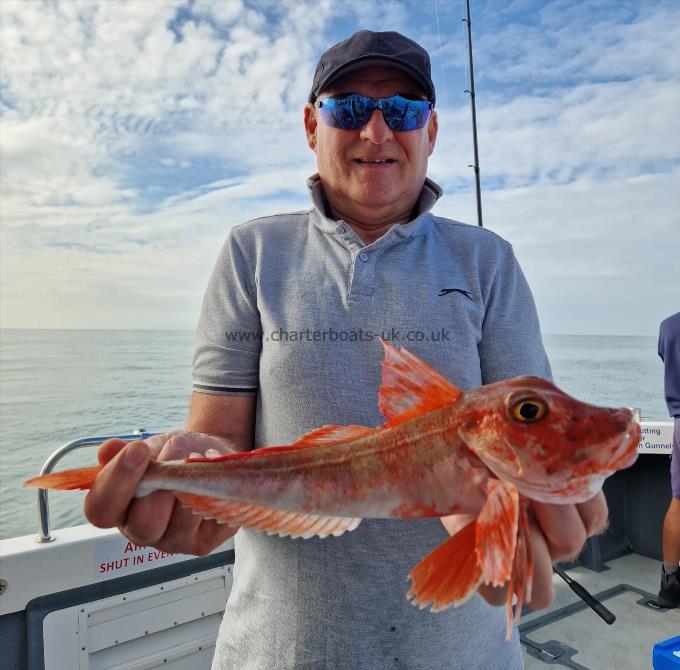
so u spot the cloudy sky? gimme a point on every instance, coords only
(135, 134)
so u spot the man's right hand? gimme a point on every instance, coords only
(156, 520)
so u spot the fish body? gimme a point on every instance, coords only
(419, 468)
(485, 453)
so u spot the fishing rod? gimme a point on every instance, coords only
(588, 598)
(473, 108)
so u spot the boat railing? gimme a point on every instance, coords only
(56, 456)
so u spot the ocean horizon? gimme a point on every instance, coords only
(57, 385)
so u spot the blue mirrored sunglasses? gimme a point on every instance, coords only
(351, 112)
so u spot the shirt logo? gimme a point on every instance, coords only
(446, 291)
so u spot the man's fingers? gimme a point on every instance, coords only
(176, 448)
(558, 533)
(209, 535)
(562, 527)
(147, 518)
(181, 528)
(494, 595)
(174, 529)
(594, 514)
(542, 591)
(109, 449)
(107, 501)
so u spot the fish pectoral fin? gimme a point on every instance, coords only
(522, 575)
(496, 532)
(449, 574)
(267, 519)
(410, 386)
(503, 546)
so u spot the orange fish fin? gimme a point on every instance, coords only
(496, 532)
(319, 437)
(410, 386)
(68, 480)
(267, 519)
(448, 575)
(520, 582)
(332, 435)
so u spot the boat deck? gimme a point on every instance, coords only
(571, 635)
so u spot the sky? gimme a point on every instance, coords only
(134, 135)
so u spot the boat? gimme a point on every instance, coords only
(88, 598)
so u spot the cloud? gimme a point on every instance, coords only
(135, 135)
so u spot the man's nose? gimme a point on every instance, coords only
(376, 130)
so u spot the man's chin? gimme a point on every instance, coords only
(376, 194)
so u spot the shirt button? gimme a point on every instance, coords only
(364, 257)
(340, 229)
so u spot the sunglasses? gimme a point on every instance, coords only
(351, 112)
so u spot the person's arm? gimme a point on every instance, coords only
(216, 424)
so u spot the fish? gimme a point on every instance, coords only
(486, 452)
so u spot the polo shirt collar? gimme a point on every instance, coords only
(431, 192)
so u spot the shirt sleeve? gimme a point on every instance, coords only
(511, 343)
(229, 333)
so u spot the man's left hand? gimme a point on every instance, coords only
(556, 533)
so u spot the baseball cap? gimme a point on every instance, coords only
(366, 48)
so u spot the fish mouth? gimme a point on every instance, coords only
(628, 449)
(623, 452)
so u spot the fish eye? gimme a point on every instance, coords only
(529, 410)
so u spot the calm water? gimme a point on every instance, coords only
(59, 385)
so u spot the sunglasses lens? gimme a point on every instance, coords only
(344, 113)
(402, 114)
(354, 111)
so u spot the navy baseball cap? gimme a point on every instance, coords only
(366, 48)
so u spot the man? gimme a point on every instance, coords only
(368, 257)
(669, 351)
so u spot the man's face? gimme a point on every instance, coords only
(353, 185)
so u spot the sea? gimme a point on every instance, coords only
(59, 385)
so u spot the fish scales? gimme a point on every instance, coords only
(417, 463)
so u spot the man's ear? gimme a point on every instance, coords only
(432, 128)
(310, 125)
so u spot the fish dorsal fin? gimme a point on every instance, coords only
(267, 519)
(332, 435)
(410, 386)
(319, 437)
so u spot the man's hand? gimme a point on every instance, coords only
(156, 520)
(556, 533)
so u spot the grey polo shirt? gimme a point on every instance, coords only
(293, 312)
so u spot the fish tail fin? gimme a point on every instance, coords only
(79, 478)
(449, 574)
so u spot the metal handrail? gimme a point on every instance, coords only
(43, 506)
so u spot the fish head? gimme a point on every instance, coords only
(552, 447)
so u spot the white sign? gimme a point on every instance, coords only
(117, 556)
(656, 437)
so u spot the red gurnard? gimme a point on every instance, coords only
(485, 452)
